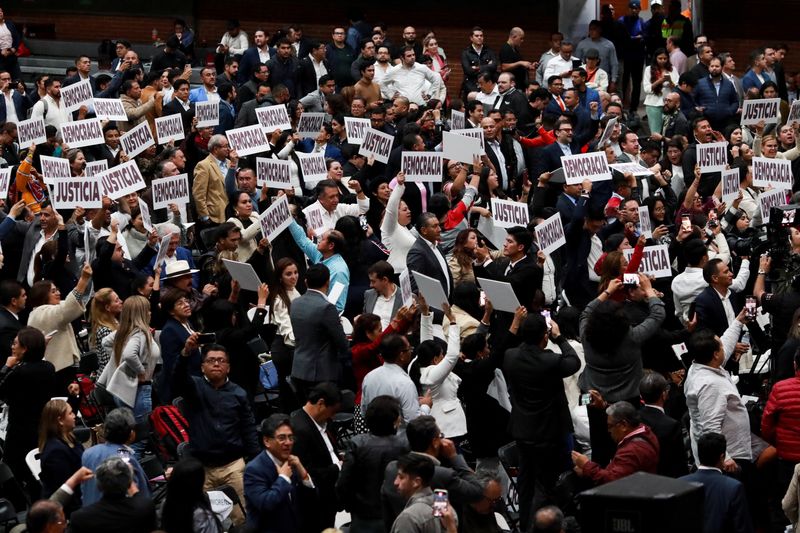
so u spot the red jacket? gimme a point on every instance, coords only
(636, 452)
(366, 357)
(780, 424)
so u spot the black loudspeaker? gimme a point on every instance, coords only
(643, 503)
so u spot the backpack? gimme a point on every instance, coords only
(169, 430)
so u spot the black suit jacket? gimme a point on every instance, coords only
(711, 314)
(9, 326)
(175, 108)
(724, 502)
(421, 258)
(671, 456)
(307, 76)
(121, 515)
(525, 277)
(310, 448)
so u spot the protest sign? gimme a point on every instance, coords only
(592, 166)
(169, 128)
(550, 234)
(76, 95)
(712, 157)
(507, 214)
(5, 181)
(495, 235)
(93, 168)
(457, 120)
(248, 140)
(766, 109)
(207, 114)
(82, 133)
(170, 190)
(730, 185)
(460, 148)
(244, 274)
(335, 291)
(145, 212)
(313, 167)
(356, 129)
(644, 222)
(500, 293)
(31, 132)
(475, 133)
(769, 199)
(310, 124)
(314, 220)
(109, 109)
(55, 167)
(276, 218)
(633, 168)
(772, 171)
(274, 173)
(137, 140)
(794, 113)
(431, 290)
(606, 136)
(377, 144)
(273, 117)
(422, 166)
(162, 250)
(405, 288)
(70, 193)
(655, 261)
(122, 179)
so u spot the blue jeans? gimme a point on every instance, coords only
(142, 407)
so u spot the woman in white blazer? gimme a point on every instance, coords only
(394, 232)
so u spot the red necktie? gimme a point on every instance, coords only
(561, 103)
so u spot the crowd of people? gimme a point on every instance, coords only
(662, 336)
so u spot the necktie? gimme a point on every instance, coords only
(561, 103)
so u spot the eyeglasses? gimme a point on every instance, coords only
(216, 361)
(338, 33)
(284, 438)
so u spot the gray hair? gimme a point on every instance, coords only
(168, 228)
(114, 477)
(118, 425)
(487, 475)
(624, 412)
(215, 141)
(652, 386)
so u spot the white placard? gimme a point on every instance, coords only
(655, 261)
(244, 273)
(644, 222)
(356, 129)
(794, 113)
(607, 132)
(730, 185)
(495, 235)
(162, 250)
(310, 124)
(550, 234)
(30, 132)
(475, 133)
(335, 291)
(137, 140)
(248, 140)
(431, 290)
(501, 294)
(145, 211)
(679, 350)
(274, 173)
(273, 117)
(314, 220)
(170, 190)
(405, 288)
(121, 180)
(766, 109)
(169, 128)
(313, 167)
(377, 144)
(207, 114)
(422, 166)
(460, 148)
(109, 109)
(5, 181)
(77, 95)
(592, 166)
(82, 133)
(275, 218)
(769, 199)
(94, 168)
(712, 157)
(632, 168)
(55, 167)
(457, 120)
(508, 214)
(70, 193)
(772, 171)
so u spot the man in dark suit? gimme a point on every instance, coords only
(718, 305)
(550, 156)
(540, 417)
(316, 447)
(381, 287)
(719, 104)
(122, 508)
(273, 480)
(724, 503)
(307, 79)
(322, 144)
(180, 104)
(585, 126)
(322, 352)
(84, 66)
(672, 454)
(426, 256)
(517, 267)
(12, 304)
(568, 200)
(247, 113)
(254, 56)
(21, 103)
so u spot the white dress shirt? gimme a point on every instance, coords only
(384, 307)
(488, 99)
(11, 110)
(442, 263)
(410, 82)
(329, 218)
(689, 283)
(392, 380)
(327, 440)
(319, 68)
(556, 66)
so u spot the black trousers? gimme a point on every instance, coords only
(632, 73)
(539, 468)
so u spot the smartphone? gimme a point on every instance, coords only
(439, 502)
(630, 280)
(207, 338)
(750, 308)
(585, 399)
(686, 222)
(576, 63)
(546, 315)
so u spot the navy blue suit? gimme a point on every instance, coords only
(21, 106)
(172, 340)
(307, 146)
(750, 80)
(248, 62)
(711, 314)
(725, 504)
(719, 109)
(272, 503)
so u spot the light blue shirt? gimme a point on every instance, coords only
(98, 453)
(335, 263)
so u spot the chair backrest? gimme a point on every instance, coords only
(32, 460)
(509, 456)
